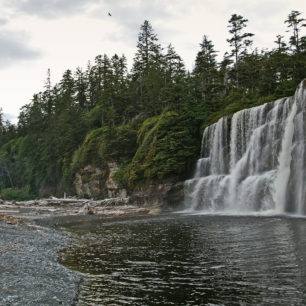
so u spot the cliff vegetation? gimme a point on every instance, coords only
(143, 125)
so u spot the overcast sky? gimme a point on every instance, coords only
(65, 34)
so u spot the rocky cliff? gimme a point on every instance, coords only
(93, 182)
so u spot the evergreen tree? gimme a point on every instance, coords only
(296, 24)
(205, 70)
(158, 103)
(297, 43)
(1, 122)
(174, 80)
(119, 87)
(67, 91)
(249, 68)
(81, 85)
(239, 40)
(224, 74)
(174, 66)
(147, 71)
(148, 50)
(281, 45)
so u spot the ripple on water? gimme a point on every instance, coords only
(189, 260)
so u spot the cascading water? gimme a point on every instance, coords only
(254, 161)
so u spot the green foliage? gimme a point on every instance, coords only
(235, 101)
(106, 144)
(285, 89)
(296, 24)
(17, 194)
(148, 121)
(89, 152)
(168, 146)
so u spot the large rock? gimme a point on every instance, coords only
(89, 182)
(167, 195)
(93, 182)
(112, 187)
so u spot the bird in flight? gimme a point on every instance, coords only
(109, 14)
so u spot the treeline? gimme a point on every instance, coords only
(148, 120)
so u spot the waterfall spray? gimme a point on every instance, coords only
(253, 161)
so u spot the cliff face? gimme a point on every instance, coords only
(94, 182)
(262, 145)
(167, 195)
(145, 156)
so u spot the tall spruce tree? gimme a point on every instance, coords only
(239, 40)
(148, 50)
(205, 70)
(174, 65)
(174, 80)
(147, 70)
(297, 44)
(295, 23)
(281, 45)
(81, 85)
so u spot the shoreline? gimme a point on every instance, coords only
(32, 241)
(30, 271)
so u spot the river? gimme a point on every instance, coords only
(180, 259)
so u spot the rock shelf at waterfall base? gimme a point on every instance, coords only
(30, 252)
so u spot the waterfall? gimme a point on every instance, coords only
(253, 161)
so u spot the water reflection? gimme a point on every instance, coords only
(191, 260)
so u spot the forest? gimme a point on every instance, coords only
(148, 120)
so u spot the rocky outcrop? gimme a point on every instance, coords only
(167, 195)
(112, 187)
(89, 182)
(93, 182)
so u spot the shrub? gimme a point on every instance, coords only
(17, 194)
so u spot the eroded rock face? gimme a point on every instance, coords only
(167, 195)
(89, 182)
(93, 182)
(112, 187)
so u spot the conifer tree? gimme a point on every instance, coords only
(296, 24)
(281, 45)
(239, 40)
(67, 90)
(174, 66)
(174, 73)
(81, 85)
(148, 50)
(1, 120)
(205, 70)
(147, 70)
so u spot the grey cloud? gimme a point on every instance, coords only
(13, 48)
(50, 8)
(3, 21)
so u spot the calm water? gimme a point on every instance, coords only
(191, 260)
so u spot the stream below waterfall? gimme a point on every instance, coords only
(182, 259)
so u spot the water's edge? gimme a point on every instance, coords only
(31, 272)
